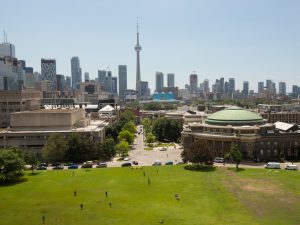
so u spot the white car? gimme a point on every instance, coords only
(126, 159)
(272, 165)
(291, 167)
(219, 160)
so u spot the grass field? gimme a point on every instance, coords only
(223, 196)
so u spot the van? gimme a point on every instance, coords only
(272, 165)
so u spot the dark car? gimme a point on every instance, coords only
(55, 164)
(87, 165)
(135, 163)
(59, 167)
(101, 165)
(41, 167)
(126, 164)
(43, 164)
(169, 163)
(73, 166)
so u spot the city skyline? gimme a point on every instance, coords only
(231, 39)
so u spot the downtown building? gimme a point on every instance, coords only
(48, 71)
(76, 73)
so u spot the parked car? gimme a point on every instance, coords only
(169, 163)
(88, 164)
(101, 165)
(135, 163)
(41, 167)
(126, 164)
(55, 164)
(219, 160)
(163, 149)
(126, 159)
(179, 163)
(73, 166)
(43, 164)
(59, 167)
(272, 165)
(157, 163)
(291, 167)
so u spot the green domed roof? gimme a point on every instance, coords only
(234, 116)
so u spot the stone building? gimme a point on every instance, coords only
(256, 139)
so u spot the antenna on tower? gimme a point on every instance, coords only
(137, 24)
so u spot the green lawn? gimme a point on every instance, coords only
(252, 196)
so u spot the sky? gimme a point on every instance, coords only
(250, 40)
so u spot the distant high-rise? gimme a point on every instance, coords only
(246, 88)
(295, 90)
(86, 77)
(101, 76)
(48, 70)
(282, 88)
(260, 87)
(221, 85)
(114, 85)
(138, 48)
(206, 85)
(231, 83)
(108, 82)
(60, 82)
(171, 80)
(144, 89)
(122, 81)
(194, 83)
(159, 81)
(7, 49)
(76, 73)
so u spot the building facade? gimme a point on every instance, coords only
(48, 70)
(122, 81)
(76, 73)
(171, 80)
(159, 82)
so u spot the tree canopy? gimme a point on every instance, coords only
(130, 126)
(126, 135)
(199, 152)
(122, 148)
(235, 155)
(55, 148)
(11, 164)
(166, 129)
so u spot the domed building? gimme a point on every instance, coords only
(255, 138)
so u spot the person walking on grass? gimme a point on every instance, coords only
(81, 206)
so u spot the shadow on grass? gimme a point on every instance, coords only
(33, 174)
(236, 170)
(4, 183)
(200, 168)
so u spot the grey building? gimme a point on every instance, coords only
(101, 76)
(48, 70)
(159, 81)
(260, 87)
(145, 91)
(282, 88)
(114, 85)
(246, 88)
(108, 82)
(171, 80)
(86, 77)
(122, 81)
(76, 73)
(7, 49)
(194, 83)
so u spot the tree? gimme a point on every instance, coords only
(130, 127)
(122, 148)
(31, 159)
(11, 164)
(147, 125)
(55, 148)
(235, 154)
(150, 138)
(199, 152)
(126, 116)
(126, 135)
(166, 129)
(107, 149)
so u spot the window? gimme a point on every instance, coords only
(261, 152)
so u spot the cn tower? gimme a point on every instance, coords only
(138, 48)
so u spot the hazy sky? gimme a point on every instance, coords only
(250, 40)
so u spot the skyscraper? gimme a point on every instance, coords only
(171, 80)
(48, 70)
(246, 88)
(108, 82)
(86, 77)
(231, 83)
(144, 89)
(282, 88)
(114, 85)
(7, 49)
(76, 73)
(122, 81)
(138, 48)
(194, 83)
(159, 81)
(101, 76)
(260, 87)
(206, 85)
